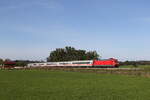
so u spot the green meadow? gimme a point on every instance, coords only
(61, 85)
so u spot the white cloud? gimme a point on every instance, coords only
(32, 3)
(144, 19)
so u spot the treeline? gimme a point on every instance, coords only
(20, 63)
(70, 53)
(135, 63)
(25, 62)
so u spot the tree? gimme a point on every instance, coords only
(7, 60)
(1, 62)
(135, 64)
(92, 55)
(70, 53)
(21, 63)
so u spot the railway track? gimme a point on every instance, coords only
(120, 69)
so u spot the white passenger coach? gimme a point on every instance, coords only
(66, 63)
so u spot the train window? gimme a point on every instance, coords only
(63, 63)
(81, 63)
(51, 63)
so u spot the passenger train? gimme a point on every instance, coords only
(112, 63)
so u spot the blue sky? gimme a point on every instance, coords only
(30, 29)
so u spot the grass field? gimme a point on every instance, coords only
(59, 85)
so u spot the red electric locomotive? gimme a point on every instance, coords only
(112, 63)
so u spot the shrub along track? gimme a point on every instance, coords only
(123, 71)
